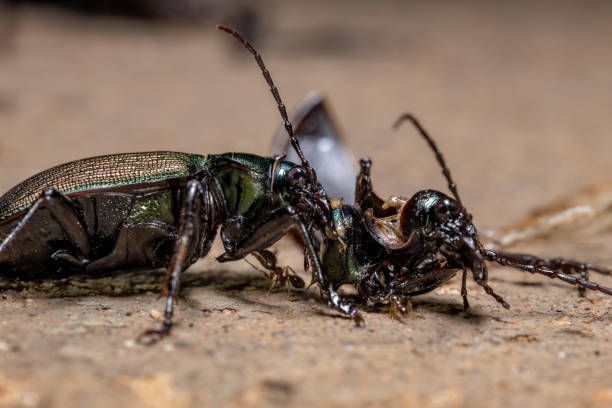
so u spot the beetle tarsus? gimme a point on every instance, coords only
(345, 307)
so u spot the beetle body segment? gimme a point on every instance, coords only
(126, 172)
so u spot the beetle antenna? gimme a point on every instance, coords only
(279, 102)
(451, 184)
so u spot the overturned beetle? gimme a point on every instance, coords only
(406, 247)
(162, 209)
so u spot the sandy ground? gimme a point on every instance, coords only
(518, 97)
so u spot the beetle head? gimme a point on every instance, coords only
(294, 184)
(308, 194)
(445, 226)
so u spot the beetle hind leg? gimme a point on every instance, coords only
(56, 228)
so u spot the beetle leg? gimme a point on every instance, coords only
(185, 249)
(334, 299)
(271, 230)
(66, 216)
(482, 281)
(365, 197)
(551, 268)
(466, 304)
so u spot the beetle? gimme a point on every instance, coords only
(406, 247)
(163, 209)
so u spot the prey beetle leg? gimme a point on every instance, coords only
(466, 304)
(184, 254)
(482, 281)
(365, 197)
(66, 217)
(274, 226)
(335, 300)
(551, 268)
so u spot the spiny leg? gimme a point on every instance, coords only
(334, 299)
(182, 257)
(562, 264)
(550, 268)
(482, 281)
(275, 225)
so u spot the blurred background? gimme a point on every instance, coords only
(517, 94)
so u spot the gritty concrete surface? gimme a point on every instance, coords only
(518, 98)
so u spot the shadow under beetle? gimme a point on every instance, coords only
(406, 247)
(162, 209)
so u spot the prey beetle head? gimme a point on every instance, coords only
(446, 228)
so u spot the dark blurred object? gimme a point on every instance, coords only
(8, 24)
(242, 14)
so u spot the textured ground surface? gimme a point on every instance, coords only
(519, 100)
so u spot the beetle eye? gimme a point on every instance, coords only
(446, 209)
(297, 176)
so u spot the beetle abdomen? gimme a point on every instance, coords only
(100, 173)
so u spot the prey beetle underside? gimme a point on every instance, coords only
(409, 246)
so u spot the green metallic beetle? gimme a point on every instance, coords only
(162, 209)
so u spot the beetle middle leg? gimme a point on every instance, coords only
(269, 231)
(185, 252)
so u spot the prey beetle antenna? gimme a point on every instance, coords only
(279, 102)
(451, 184)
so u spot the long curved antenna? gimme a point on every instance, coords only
(409, 117)
(279, 102)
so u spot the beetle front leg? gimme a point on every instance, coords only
(551, 268)
(271, 230)
(183, 255)
(335, 299)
